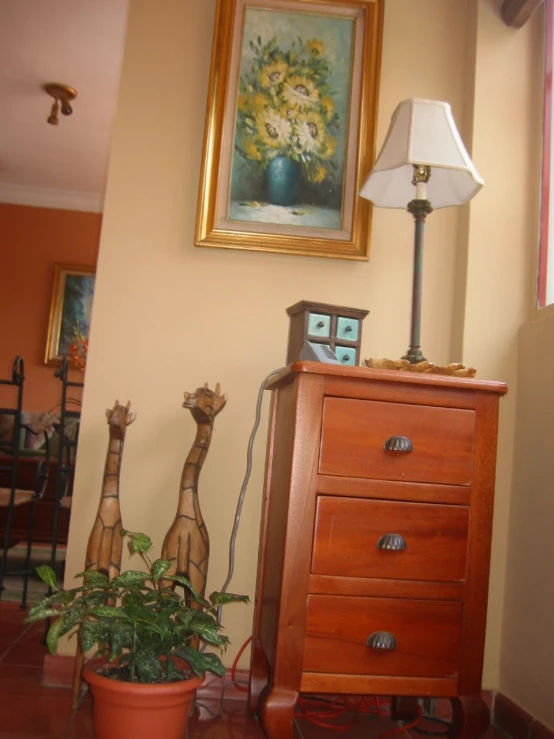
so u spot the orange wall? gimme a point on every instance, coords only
(32, 241)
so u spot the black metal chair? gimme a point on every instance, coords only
(12, 496)
(9, 447)
(67, 450)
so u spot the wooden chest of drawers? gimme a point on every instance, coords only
(375, 542)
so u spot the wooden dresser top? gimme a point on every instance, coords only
(379, 375)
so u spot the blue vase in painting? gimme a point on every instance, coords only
(283, 181)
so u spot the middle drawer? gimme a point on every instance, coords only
(350, 539)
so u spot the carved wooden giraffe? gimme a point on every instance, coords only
(105, 543)
(187, 543)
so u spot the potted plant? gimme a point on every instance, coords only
(144, 674)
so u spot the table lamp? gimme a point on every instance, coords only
(422, 150)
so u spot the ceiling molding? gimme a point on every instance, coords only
(45, 197)
(517, 12)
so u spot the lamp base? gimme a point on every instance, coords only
(414, 355)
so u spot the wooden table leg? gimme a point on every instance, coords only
(277, 710)
(404, 708)
(259, 677)
(471, 717)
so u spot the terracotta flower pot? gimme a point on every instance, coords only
(140, 710)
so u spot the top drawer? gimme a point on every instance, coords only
(355, 432)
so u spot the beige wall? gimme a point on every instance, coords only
(528, 645)
(169, 316)
(501, 246)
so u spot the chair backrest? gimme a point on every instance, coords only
(11, 417)
(43, 466)
(12, 441)
(68, 431)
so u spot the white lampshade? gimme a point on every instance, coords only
(422, 132)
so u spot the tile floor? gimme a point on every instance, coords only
(28, 710)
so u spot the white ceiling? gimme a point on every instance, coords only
(78, 43)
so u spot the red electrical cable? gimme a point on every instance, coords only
(332, 708)
(242, 688)
(327, 709)
(319, 710)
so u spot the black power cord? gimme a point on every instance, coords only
(432, 719)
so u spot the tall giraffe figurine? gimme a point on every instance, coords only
(187, 543)
(105, 543)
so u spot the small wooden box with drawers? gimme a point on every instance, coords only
(375, 543)
(334, 326)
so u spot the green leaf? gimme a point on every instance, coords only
(131, 577)
(139, 542)
(48, 576)
(190, 587)
(44, 604)
(93, 598)
(219, 599)
(54, 633)
(41, 614)
(206, 626)
(201, 662)
(193, 658)
(68, 596)
(88, 634)
(213, 663)
(139, 612)
(209, 634)
(108, 612)
(160, 567)
(131, 600)
(73, 616)
(171, 672)
(149, 668)
(96, 579)
(122, 635)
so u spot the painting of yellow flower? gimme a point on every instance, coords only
(291, 116)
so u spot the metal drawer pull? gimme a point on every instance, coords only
(398, 444)
(392, 542)
(320, 324)
(382, 640)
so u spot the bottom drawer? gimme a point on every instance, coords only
(426, 636)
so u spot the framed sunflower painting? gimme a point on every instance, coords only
(290, 127)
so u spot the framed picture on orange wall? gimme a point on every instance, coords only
(290, 127)
(70, 313)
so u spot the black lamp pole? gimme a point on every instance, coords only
(420, 209)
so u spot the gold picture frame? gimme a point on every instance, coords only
(70, 310)
(292, 108)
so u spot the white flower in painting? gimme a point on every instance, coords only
(310, 133)
(274, 129)
(301, 91)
